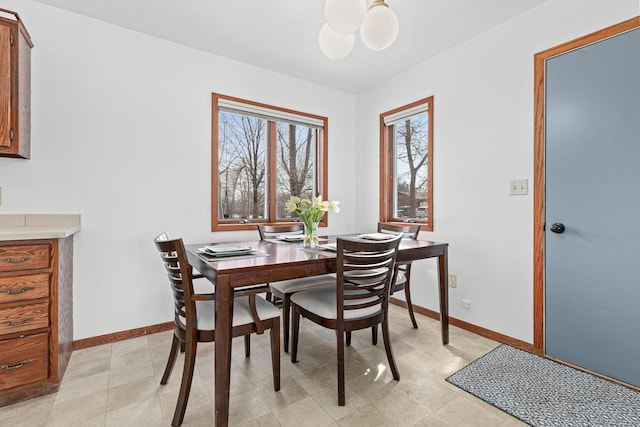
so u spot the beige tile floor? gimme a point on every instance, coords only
(119, 384)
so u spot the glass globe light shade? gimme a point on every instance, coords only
(335, 45)
(380, 27)
(345, 16)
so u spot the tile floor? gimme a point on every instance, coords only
(119, 384)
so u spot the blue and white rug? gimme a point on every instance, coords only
(541, 392)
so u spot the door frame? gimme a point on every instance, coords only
(539, 194)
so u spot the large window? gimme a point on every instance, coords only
(261, 156)
(406, 169)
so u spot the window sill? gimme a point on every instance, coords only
(236, 226)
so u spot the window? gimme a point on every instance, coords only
(261, 155)
(406, 169)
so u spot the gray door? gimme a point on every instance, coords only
(592, 283)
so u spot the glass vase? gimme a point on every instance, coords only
(310, 235)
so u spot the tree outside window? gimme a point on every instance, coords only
(406, 178)
(261, 155)
(295, 164)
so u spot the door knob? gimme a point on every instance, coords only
(557, 228)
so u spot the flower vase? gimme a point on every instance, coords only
(310, 236)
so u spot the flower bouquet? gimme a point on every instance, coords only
(311, 212)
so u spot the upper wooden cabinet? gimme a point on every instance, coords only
(15, 86)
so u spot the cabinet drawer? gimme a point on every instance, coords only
(23, 360)
(19, 288)
(24, 257)
(24, 318)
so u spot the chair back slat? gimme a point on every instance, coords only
(268, 231)
(365, 271)
(409, 231)
(176, 264)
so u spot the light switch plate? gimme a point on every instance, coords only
(519, 187)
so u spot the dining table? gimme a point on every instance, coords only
(271, 260)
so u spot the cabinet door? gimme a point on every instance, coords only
(5, 85)
(23, 360)
(15, 88)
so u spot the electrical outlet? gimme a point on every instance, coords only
(453, 281)
(465, 303)
(519, 187)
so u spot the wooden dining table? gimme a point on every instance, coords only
(278, 260)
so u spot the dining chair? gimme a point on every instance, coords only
(285, 288)
(268, 231)
(403, 276)
(194, 320)
(360, 299)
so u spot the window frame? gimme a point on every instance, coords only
(387, 167)
(321, 165)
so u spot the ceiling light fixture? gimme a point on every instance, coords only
(335, 45)
(378, 26)
(345, 16)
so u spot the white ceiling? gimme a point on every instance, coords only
(282, 35)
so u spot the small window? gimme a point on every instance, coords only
(262, 155)
(406, 180)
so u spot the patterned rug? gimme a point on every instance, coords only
(541, 392)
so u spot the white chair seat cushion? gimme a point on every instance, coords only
(241, 312)
(400, 278)
(322, 301)
(296, 285)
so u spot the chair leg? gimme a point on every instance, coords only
(348, 338)
(173, 354)
(387, 347)
(295, 329)
(269, 297)
(286, 316)
(247, 345)
(340, 346)
(187, 377)
(275, 352)
(374, 334)
(407, 297)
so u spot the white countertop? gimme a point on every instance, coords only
(38, 226)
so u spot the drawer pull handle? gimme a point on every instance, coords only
(21, 291)
(16, 366)
(16, 261)
(20, 323)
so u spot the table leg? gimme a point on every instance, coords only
(443, 278)
(222, 348)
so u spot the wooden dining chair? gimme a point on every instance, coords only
(285, 288)
(360, 299)
(403, 276)
(194, 320)
(268, 231)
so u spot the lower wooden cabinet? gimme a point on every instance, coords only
(36, 324)
(24, 360)
(24, 318)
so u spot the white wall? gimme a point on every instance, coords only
(483, 137)
(120, 121)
